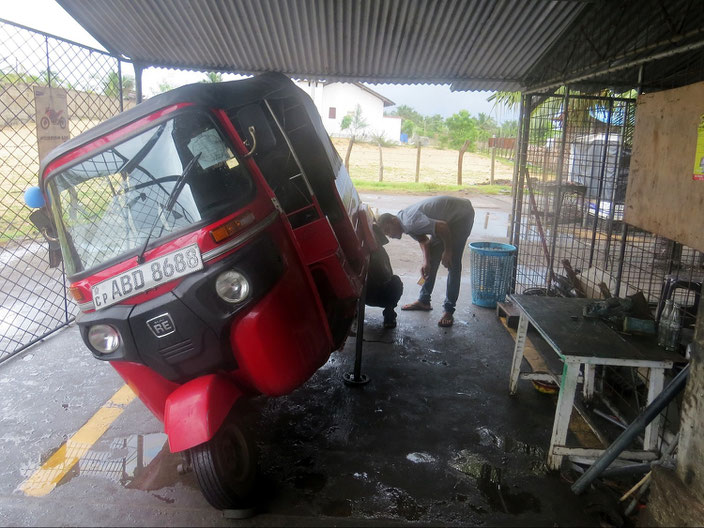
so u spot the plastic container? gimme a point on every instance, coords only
(492, 264)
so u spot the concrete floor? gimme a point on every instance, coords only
(434, 438)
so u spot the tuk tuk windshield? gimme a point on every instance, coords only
(106, 206)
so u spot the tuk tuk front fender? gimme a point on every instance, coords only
(195, 411)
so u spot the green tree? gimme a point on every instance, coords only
(409, 118)
(510, 100)
(461, 127)
(111, 84)
(212, 77)
(486, 127)
(509, 129)
(165, 86)
(356, 124)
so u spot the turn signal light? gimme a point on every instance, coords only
(230, 228)
(77, 294)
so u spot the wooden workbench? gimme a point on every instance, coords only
(583, 343)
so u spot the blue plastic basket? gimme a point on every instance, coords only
(491, 264)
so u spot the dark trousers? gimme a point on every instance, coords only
(385, 295)
(460, 231)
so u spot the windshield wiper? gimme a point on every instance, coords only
(170, 202)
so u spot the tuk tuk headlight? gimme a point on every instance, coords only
(231, 286)
(104, 338)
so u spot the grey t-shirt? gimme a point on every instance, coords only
(420, 218)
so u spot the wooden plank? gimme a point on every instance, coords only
(662, 196)
(510, 312)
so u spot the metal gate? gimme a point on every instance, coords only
(33, 296)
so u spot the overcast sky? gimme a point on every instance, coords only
(48, 16)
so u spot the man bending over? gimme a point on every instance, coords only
(441, 225)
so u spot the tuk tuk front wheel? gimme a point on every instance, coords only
(226, 467)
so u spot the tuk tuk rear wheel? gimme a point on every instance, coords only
(226, 467)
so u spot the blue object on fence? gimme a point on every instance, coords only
(34, 198)
(491, 263)
(404, 138)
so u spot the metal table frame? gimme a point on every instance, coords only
(657, 363)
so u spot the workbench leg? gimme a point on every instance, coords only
(563, 412)
(521, 334)
(588, 386)
(651, 435)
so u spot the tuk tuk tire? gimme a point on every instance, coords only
(226, 467)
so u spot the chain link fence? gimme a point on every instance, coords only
(33, 296)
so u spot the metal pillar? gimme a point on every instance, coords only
(138, 68)
(356, 378)
(518, 175)
(602, 176)
(558, 187)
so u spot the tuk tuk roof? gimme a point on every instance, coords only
(223, 95)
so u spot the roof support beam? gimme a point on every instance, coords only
(620, 67)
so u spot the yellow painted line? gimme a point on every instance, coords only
(45, 479)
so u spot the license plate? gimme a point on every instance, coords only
(150, 274)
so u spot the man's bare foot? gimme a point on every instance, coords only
(446, 320)
(417, 306)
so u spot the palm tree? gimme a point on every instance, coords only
(212, 77)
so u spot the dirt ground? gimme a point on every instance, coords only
(436, 165)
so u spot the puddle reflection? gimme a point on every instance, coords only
(137, 462)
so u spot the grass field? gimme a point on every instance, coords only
(437, 166)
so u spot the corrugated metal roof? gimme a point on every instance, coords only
(485, 44)
(470, 44)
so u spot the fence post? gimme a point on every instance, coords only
(418, 161)
(493, 160)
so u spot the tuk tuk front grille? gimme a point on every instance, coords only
(178, 352)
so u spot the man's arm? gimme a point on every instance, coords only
(424, 243)
(443, 231)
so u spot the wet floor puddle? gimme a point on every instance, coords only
(136, 462)
(493, 485)
(493, 481)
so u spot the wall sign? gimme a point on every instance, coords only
(51, 118)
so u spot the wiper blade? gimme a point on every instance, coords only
(170, 202)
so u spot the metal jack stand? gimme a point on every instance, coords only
(356, 378)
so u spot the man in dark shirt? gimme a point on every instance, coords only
(441, 225)
(384, 289)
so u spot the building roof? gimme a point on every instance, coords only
(470, 44)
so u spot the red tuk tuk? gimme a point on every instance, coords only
(216, 248)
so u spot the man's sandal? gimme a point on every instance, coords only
(446, 320)
(417, 306)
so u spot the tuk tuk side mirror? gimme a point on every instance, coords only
(34, 198)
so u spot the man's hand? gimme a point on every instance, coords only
(425, 270)
(447, 259)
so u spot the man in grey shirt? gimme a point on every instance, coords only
(441, 225)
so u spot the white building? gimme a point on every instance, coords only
(335, 100)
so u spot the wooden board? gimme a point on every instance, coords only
(662, 196)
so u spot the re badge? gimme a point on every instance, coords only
(161, 325)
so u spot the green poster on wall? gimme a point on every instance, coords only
(699, 156)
